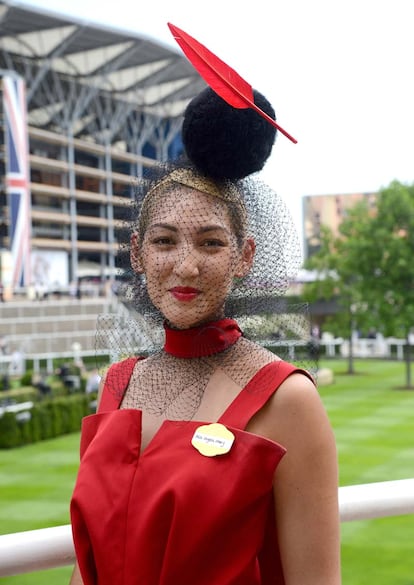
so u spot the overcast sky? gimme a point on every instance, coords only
(339, 74)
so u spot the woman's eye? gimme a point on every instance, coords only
(213, 243)
(162, 241)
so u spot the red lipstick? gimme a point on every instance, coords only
(184, 293)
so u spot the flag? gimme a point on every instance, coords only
(17, 177)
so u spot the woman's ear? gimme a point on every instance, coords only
(135, 255)
(247, 257)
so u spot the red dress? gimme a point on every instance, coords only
(172, 516)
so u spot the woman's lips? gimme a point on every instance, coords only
(184, 293)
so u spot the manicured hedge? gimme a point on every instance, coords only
(45, 420)
(22, 394)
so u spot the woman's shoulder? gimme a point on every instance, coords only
(296, 409)
(116, 377)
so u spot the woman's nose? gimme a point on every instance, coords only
(187, 263)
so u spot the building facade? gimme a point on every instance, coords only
(100, 106)
(327, 210)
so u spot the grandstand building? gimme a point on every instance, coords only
(84, 110)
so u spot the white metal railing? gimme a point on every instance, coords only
(48, 359)
(36, 550)
(18, 408)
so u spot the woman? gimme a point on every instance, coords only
(211, 461)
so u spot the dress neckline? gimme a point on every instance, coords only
(202, 341)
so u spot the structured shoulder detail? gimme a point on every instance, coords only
(116, 382)
(258, 391)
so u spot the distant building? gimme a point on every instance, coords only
(83, 111)
(328, 210)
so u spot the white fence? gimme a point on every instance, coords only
(35, 550)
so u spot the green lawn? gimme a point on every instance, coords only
(374, 427)
(36, 483)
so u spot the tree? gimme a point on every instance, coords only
(334, 264)
(369, 265)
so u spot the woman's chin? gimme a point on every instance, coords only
(183, 324)
(187, 321)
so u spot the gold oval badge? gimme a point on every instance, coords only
(211, 440)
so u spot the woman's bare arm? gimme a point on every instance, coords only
(76, 578)
(306, 485)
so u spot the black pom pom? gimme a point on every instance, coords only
(225, 142)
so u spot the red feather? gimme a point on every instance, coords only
(224, 80)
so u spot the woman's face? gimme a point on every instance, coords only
(189, 256)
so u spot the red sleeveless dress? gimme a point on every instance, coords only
(170, 515)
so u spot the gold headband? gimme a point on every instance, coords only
(192, 179)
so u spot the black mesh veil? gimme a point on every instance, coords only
(257, 300)
(185, 252)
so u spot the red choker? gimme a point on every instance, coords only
(201, 341)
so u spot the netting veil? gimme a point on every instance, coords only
(185, 255)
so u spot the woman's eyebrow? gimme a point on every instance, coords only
(211, 228)
(165, 226)
(201, 230)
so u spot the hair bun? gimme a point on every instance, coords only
(226, 142)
